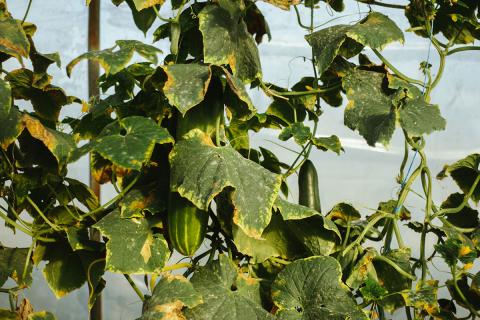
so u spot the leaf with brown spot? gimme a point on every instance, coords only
(13, 40)
(170, 295)
(200, 171)
(186, 85)
(132, 247)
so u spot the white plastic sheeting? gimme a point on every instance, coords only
(362, 175)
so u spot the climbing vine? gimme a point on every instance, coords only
(172, 132)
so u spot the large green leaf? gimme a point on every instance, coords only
(312, 289)
(64, 271)
(200, 171)
(226, 293)
(171, 294)
(375, 31)
(12, 264)
(13, 40)
(129, 142)
(5, 99)
(186, 85)
(226, 40)
(370, 110)
(132, 247)
(115, 60)
(464, 172)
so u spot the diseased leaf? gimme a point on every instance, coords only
(13, 40)
(326, 44)
(11, 127)
(293, 211)
(226, 293)
(113, 60)
(171, 294)
(331, 143)
(60, 144)
(238, 100)
(369, 110)
(12, 263)
(41, 315)
(277, 241)
(424, 297)
(5, 99)
(226, 40)
(363, 270)
(186, 85)
(373, 291)
(215, 168)
(143, 4)
(418, 118)
(129, 142)
(375, 31)
(312, 289)
(464, 172)
(391, 280)
(283, 4)
(139, 200)
(132, 246)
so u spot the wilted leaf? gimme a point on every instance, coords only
(363, 269)
(283, 4)
(132, 246)
(312, 289)
(200, 171)
(424, 297)
(226, 293)
(143, 4)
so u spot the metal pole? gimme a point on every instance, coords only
(93, 91)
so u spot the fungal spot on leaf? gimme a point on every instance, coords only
(233, 287)
(299, 309)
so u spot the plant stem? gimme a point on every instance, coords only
(461, 49)
(23, 229)
(113, 200)
(27, 11)
(381, 4)
(365, 230)
(51, 224)
(396, 267)
(395, 70)
(426, 220)
(177, 266)
(134, 286)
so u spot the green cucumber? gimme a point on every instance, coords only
(309, 195)
(186, 225)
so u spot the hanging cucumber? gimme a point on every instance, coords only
(186, 225)
(309, 195)
(207, 115)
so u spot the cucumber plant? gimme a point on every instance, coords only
(171, 134)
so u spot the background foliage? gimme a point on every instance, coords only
(132, 131)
